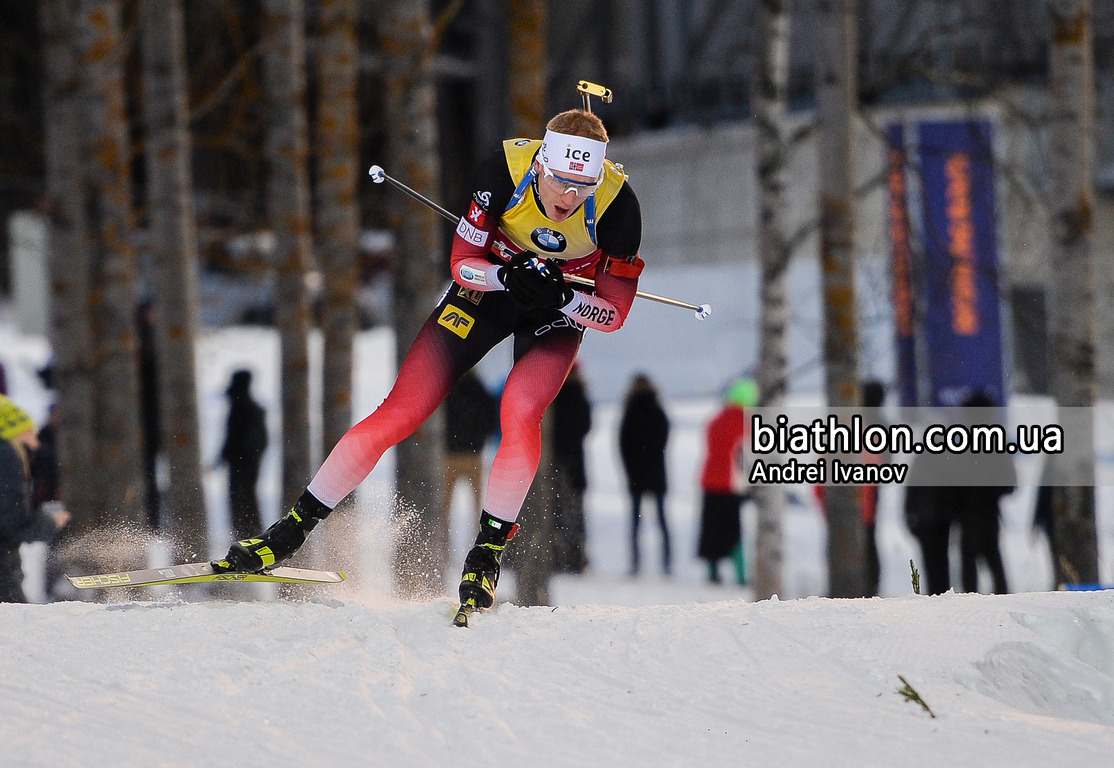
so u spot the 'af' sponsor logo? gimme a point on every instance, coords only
(483, 198)
(456, 320)
(471, 234)
(548, 240)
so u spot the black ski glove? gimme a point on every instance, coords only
(562, 290)
(534, 284)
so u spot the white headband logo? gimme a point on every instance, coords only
(564, 153)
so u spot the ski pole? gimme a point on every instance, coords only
(378, 175)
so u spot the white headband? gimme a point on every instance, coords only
(562, 153)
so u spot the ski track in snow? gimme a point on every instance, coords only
(1013, 680)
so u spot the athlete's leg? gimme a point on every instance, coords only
(534, 380)
(438, 357)
(458, 333)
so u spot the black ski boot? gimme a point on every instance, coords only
(481, 567)
(278, 543)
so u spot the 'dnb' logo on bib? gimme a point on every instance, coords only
(548, 240)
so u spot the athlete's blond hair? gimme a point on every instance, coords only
(579, 122)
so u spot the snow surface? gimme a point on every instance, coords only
(349, 680)
(643, 671)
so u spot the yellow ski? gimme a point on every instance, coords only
(195, 573)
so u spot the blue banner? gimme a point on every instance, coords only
(962, 326)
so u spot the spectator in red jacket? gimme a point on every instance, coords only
(724, 483)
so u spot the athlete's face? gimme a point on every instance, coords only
(560, 199)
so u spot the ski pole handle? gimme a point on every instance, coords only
(378, 175)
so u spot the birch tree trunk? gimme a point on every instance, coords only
(108, 206)
(774, 251)
(836, 103)
(173, 244)
(288, 209)
(1071, 74)
(419, 276)
(526, 67)
(337, 214)
(336, 234)
(527, 90)
(71, 334)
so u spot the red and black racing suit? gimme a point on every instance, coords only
(473, 316)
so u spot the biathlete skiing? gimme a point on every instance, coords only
(539, 210)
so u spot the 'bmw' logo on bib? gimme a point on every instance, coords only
(548, 240)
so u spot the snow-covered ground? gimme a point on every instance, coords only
(648, 671)
(351, 680)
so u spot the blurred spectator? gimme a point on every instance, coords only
(643, 433)
(46, 375)
(977, 505)
(929, 517)
(3, 380)
(1043, 517)
(46, 492)
(44, 463)
(723, 482)
(245, 442)
(19, 522)
(471, 417)
(572, 420)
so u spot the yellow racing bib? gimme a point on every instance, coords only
(524, 226)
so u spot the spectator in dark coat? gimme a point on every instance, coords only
(1044, 519)
(45, 471)
(46, 492)
(643, 433)
(929, 515)
(471, 417)
(245, 442)
(991, 476)
(19, 522)
(572, 420)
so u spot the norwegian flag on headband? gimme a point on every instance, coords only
(574, 166)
